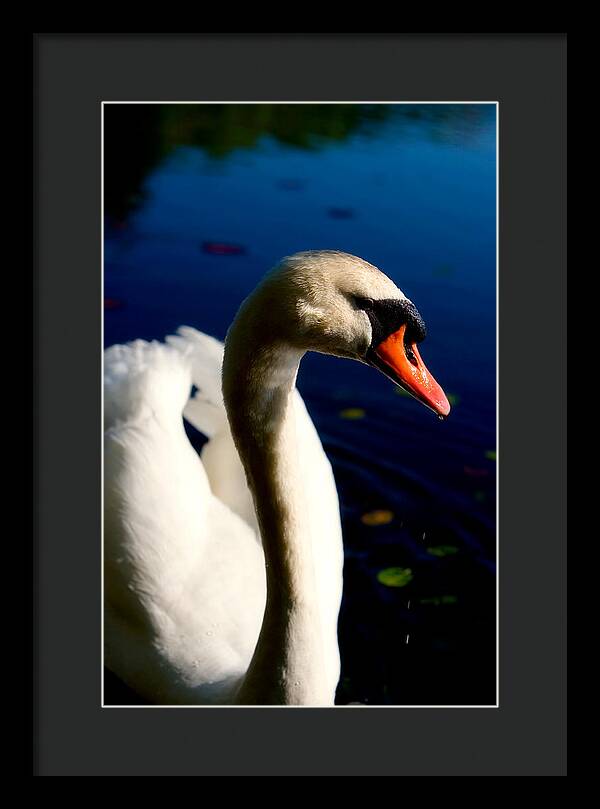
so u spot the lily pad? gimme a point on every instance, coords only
(453, 398)
(475, 472)
(442, 550)
(491, 454)
(380, 516)
(437, 600)
(223, 249)
(341, 213)
(395, 576)
(112, 303)
(352, 413)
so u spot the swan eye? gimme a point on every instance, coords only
(366, 304)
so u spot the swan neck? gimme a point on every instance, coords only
(259, 392)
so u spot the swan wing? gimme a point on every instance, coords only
(205, 410)
(177, 561)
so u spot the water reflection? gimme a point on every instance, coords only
(138, 136)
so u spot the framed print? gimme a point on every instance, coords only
(247, 547)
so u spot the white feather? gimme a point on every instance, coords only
(185, 577)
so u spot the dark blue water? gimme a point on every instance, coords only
(201, 201)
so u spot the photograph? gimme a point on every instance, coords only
(300, 388)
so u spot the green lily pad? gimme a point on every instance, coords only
(453, 398)
(442, 550)
(352, 413)
(437, 600)
(491, 454)
(395, 576)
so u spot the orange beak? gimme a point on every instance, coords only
(402, 363)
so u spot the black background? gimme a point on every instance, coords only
(72, 75)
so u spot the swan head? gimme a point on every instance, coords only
(336, 303)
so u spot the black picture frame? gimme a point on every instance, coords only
(72, 75)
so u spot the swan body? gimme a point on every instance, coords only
(223, 571)
(185, 581)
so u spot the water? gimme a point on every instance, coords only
(201, 201)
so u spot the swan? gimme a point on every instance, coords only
(223, 572)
